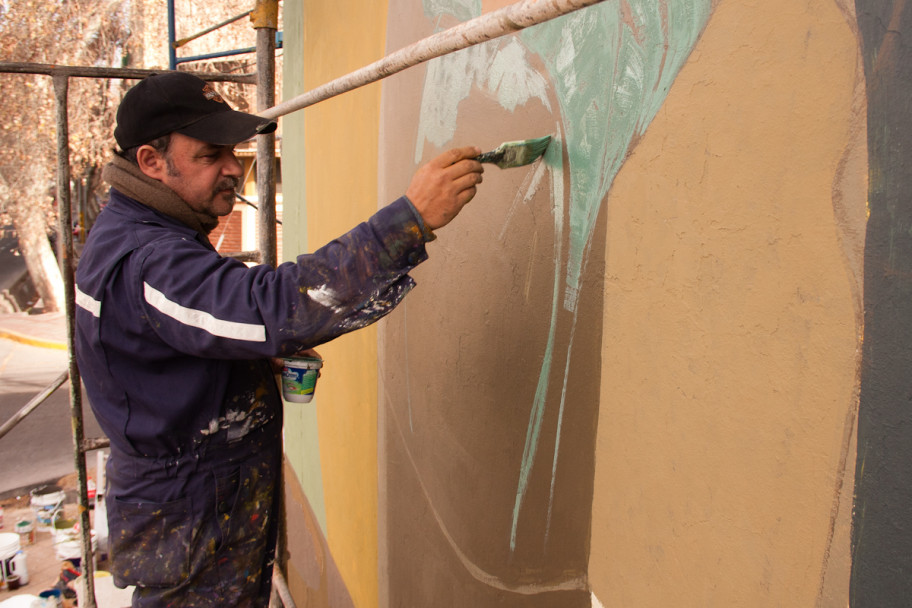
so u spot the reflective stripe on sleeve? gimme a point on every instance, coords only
(87, 302)
(202, 319)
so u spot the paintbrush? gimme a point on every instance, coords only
(516, 153)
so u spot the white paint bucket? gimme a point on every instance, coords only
(12, 559)
(46, 501)
(68, 540)
(9, 544)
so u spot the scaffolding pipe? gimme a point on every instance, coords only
(98, 443)
(48, 69)
(265, 20)
(179, 43)
(35, 402)
(65, 227)
(172, 34)
(492, 25)
(216, 55)
(281, 587)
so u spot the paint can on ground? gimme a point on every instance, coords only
(50, 598)
(25, 528)
(299, 378)
(12, 559)
(17, 566)
(46, 501)
(68, 540)
(8, 548)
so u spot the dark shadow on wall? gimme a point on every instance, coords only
(882, 522)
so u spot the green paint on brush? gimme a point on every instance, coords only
(516, 153)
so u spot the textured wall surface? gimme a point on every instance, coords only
(632, 372)
(732, 324)
(332, 442)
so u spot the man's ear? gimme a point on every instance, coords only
(151, 162)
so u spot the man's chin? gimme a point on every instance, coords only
(225, 204)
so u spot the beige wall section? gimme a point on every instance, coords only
(341, 191)
(730, 337)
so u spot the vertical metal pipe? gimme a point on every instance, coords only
(65, 228)
(266, 25)
(172, 36)
(265, 18)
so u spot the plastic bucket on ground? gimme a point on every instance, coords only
(16, 566)
(9, 547)
(68, 540)
(46, 501)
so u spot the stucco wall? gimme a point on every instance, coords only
(331, 181)
(631, 372)
(732, 326)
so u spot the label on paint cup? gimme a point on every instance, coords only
(299, 378)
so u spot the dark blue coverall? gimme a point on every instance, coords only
(173, 342)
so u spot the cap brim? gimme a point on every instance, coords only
(228, 128)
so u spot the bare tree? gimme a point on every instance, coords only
(77, 32)
(111, 33)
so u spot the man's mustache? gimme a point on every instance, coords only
(228, 183)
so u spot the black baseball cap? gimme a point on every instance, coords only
(178, 102)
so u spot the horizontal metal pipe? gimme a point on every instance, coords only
(96, 443)
(216, 55)
(492, 25)
(50, 69)
(244, 256)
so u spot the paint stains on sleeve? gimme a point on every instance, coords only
(325, 296)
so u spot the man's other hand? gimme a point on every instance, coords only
(441, 188)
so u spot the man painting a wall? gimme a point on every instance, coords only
(174, 341)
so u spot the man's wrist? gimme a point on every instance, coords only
(426, 232)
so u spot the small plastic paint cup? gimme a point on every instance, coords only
(26, 530)
(299, 378)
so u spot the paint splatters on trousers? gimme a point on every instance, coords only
(213, 545)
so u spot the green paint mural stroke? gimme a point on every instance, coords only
(611, 67)
(541, 391)
(605, 107)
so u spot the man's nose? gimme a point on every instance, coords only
(233, 166)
